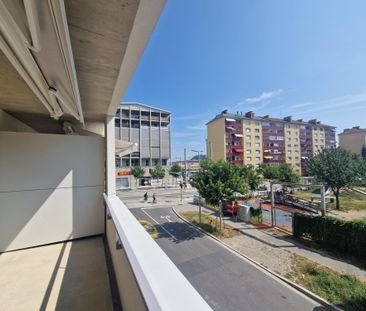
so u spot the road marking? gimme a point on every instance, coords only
(162, 227)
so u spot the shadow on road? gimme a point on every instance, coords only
(178, 232)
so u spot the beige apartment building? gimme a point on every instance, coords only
(248, 139)
(353, 140)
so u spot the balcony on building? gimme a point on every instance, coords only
(67, 242)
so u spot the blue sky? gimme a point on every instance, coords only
(278, 57)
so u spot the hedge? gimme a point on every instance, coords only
(332, 234)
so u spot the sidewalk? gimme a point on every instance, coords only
(278, 242)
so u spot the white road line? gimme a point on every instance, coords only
(162, 227)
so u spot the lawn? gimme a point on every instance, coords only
(349, 199)
(342, 290)
(210, 225)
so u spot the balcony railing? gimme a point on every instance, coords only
(160, 285)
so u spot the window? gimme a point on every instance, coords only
(257, 144)
(248, 151)
(257, 158)
(118, 162)
(296, 152)
(296, 145)
(247, 130)
(289, 158)
(164, 162)
(117, 122)
(248, 137)
(257, 130)
(296, 139)
(322, 140)
(288, 138)
(249, 158)
(248, 122)
(257, 123)
(296, 158)
(257, 138)
(289, 145)
(125, 162)
(288, 132)
(258, 152)
(316, 140)
(248, 144)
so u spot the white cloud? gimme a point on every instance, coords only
(199, 127)
(336, 102)
(264, 97)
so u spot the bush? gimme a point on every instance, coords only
(332, 234)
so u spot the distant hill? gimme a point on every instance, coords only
(202, 157)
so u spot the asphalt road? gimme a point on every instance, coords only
(224, 280)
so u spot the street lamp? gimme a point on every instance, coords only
(199, 153)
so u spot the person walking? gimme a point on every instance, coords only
(145, 197)
(154, 198)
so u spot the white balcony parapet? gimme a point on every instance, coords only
(162, 285)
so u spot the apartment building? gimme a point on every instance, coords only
(353, 139)
(67, 241)
(249, 139)
(148, 128)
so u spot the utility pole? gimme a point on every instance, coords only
(185, 165)
(323, 202)
(272, 204)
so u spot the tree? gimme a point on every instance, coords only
(334, 167)
(216, 180)
(175, 170)
(158, 172)
(137, 172)
(283, 172)
(250, 174)
(287, 173)
(268, 171)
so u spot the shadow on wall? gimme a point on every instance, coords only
(51, 194)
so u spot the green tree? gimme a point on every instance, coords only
(216, 180)
(250, 174)
(137, 172)
(287, 173)
(175, 170)
(334, 167)
(283, 172)
(158, 172)
(268, 171)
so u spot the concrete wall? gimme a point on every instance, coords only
(50, 188)
(353, 142)
(11, 124)
(216, 140)
(129, 292)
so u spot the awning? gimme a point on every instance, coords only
(230, 120)
(238, 150)
(268, 157)
(230, 128)
(124, 147)
(238, 135)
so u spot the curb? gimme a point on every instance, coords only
(301, 289)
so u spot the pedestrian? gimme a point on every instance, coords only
(181, 185)
(184, 185)
(145, 197)
(154, 198)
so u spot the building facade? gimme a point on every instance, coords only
(353, 140)
(249, 139)
(149, 129)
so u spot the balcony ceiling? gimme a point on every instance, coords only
(85, 56)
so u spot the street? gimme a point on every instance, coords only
(225, 280)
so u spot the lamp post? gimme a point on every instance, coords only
(199, 195)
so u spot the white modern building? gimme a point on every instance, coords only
(67, 242)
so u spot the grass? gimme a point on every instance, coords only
(210, 225)
(343, 290)
(349, 199)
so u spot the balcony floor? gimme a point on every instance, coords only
(63, 276)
